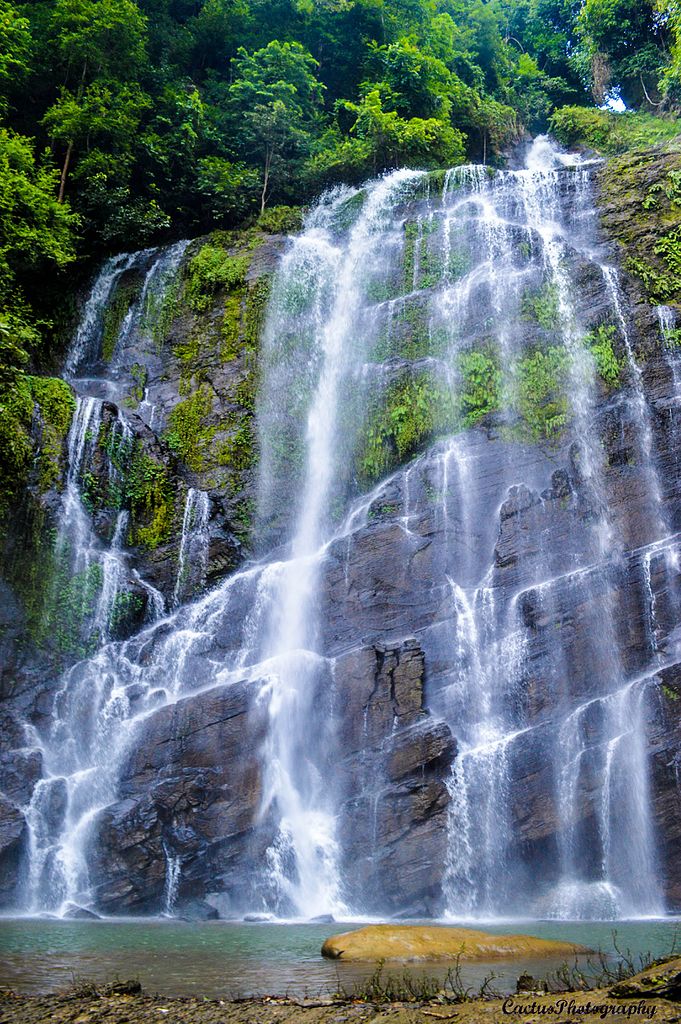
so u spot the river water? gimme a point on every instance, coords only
(225, 959)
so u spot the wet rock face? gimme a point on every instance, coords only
(476, 619)
(393, 819)
(13, 840)
(192, 788)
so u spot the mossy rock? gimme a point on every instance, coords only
(640, 201)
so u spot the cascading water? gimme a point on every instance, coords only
(193, 555)
(480, 310)
(65, 802)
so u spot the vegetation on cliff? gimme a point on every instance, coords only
(127, 122)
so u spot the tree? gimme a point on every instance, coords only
(15, 42)
(381, 139)
(622, 43)
(101, 47)
(36, 233)
(275, 102)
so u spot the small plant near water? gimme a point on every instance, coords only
(89, 988)
(541, 306)
(381, 987)
(602, 970)
(601, 344)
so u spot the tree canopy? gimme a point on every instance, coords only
(126, 122)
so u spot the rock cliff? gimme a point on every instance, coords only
(470, 702)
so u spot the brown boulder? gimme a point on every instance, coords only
(433, 942)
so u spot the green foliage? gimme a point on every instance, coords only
(239, 451)
(611, 133)
(20, 448)
(16, 449)
(541, 392)
(601, 343)
(69, 600)
(227, 191)
(412, 411)
(160, 311)
(274, 99)
(541, 306)
(257, 298)
(648, 184)
(480, 386)
(56, 406)
(210, 270)
(620, 46)
(149, 493)
(117, 308)
(35, 230)
(281, 220)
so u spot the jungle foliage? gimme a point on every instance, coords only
(128, 122)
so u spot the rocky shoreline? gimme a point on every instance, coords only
(651, 994)
(144, 1009)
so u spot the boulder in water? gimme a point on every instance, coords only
(434, 942)
(75, 913)
(322, 919)
(196, 910)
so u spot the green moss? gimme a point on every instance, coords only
(381, 290)
(672, 337)
(411, 237)
(601, 344)
(160, 312)
(189, 435)
(641, 198)
(125, 612)
(239, 451)
(125, 294)
(242, 519)
(231, 325)
(347, 213)
(57, 405)
(139, 377)
(281, 220)
(257, 298)
(189, 349)
(246, 390)
(610, 133)
(149, 493)
(16, 445)
(210, 270)
(72, 601)
(53, 400)
(411, 412)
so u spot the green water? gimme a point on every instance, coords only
(223, 959)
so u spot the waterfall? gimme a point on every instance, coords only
(306, 838)
(95, 581)
(192, 560)
(433, 421)
(88, 334)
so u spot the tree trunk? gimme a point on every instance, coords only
(263, 197)
(69, 148)
(64, 172)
